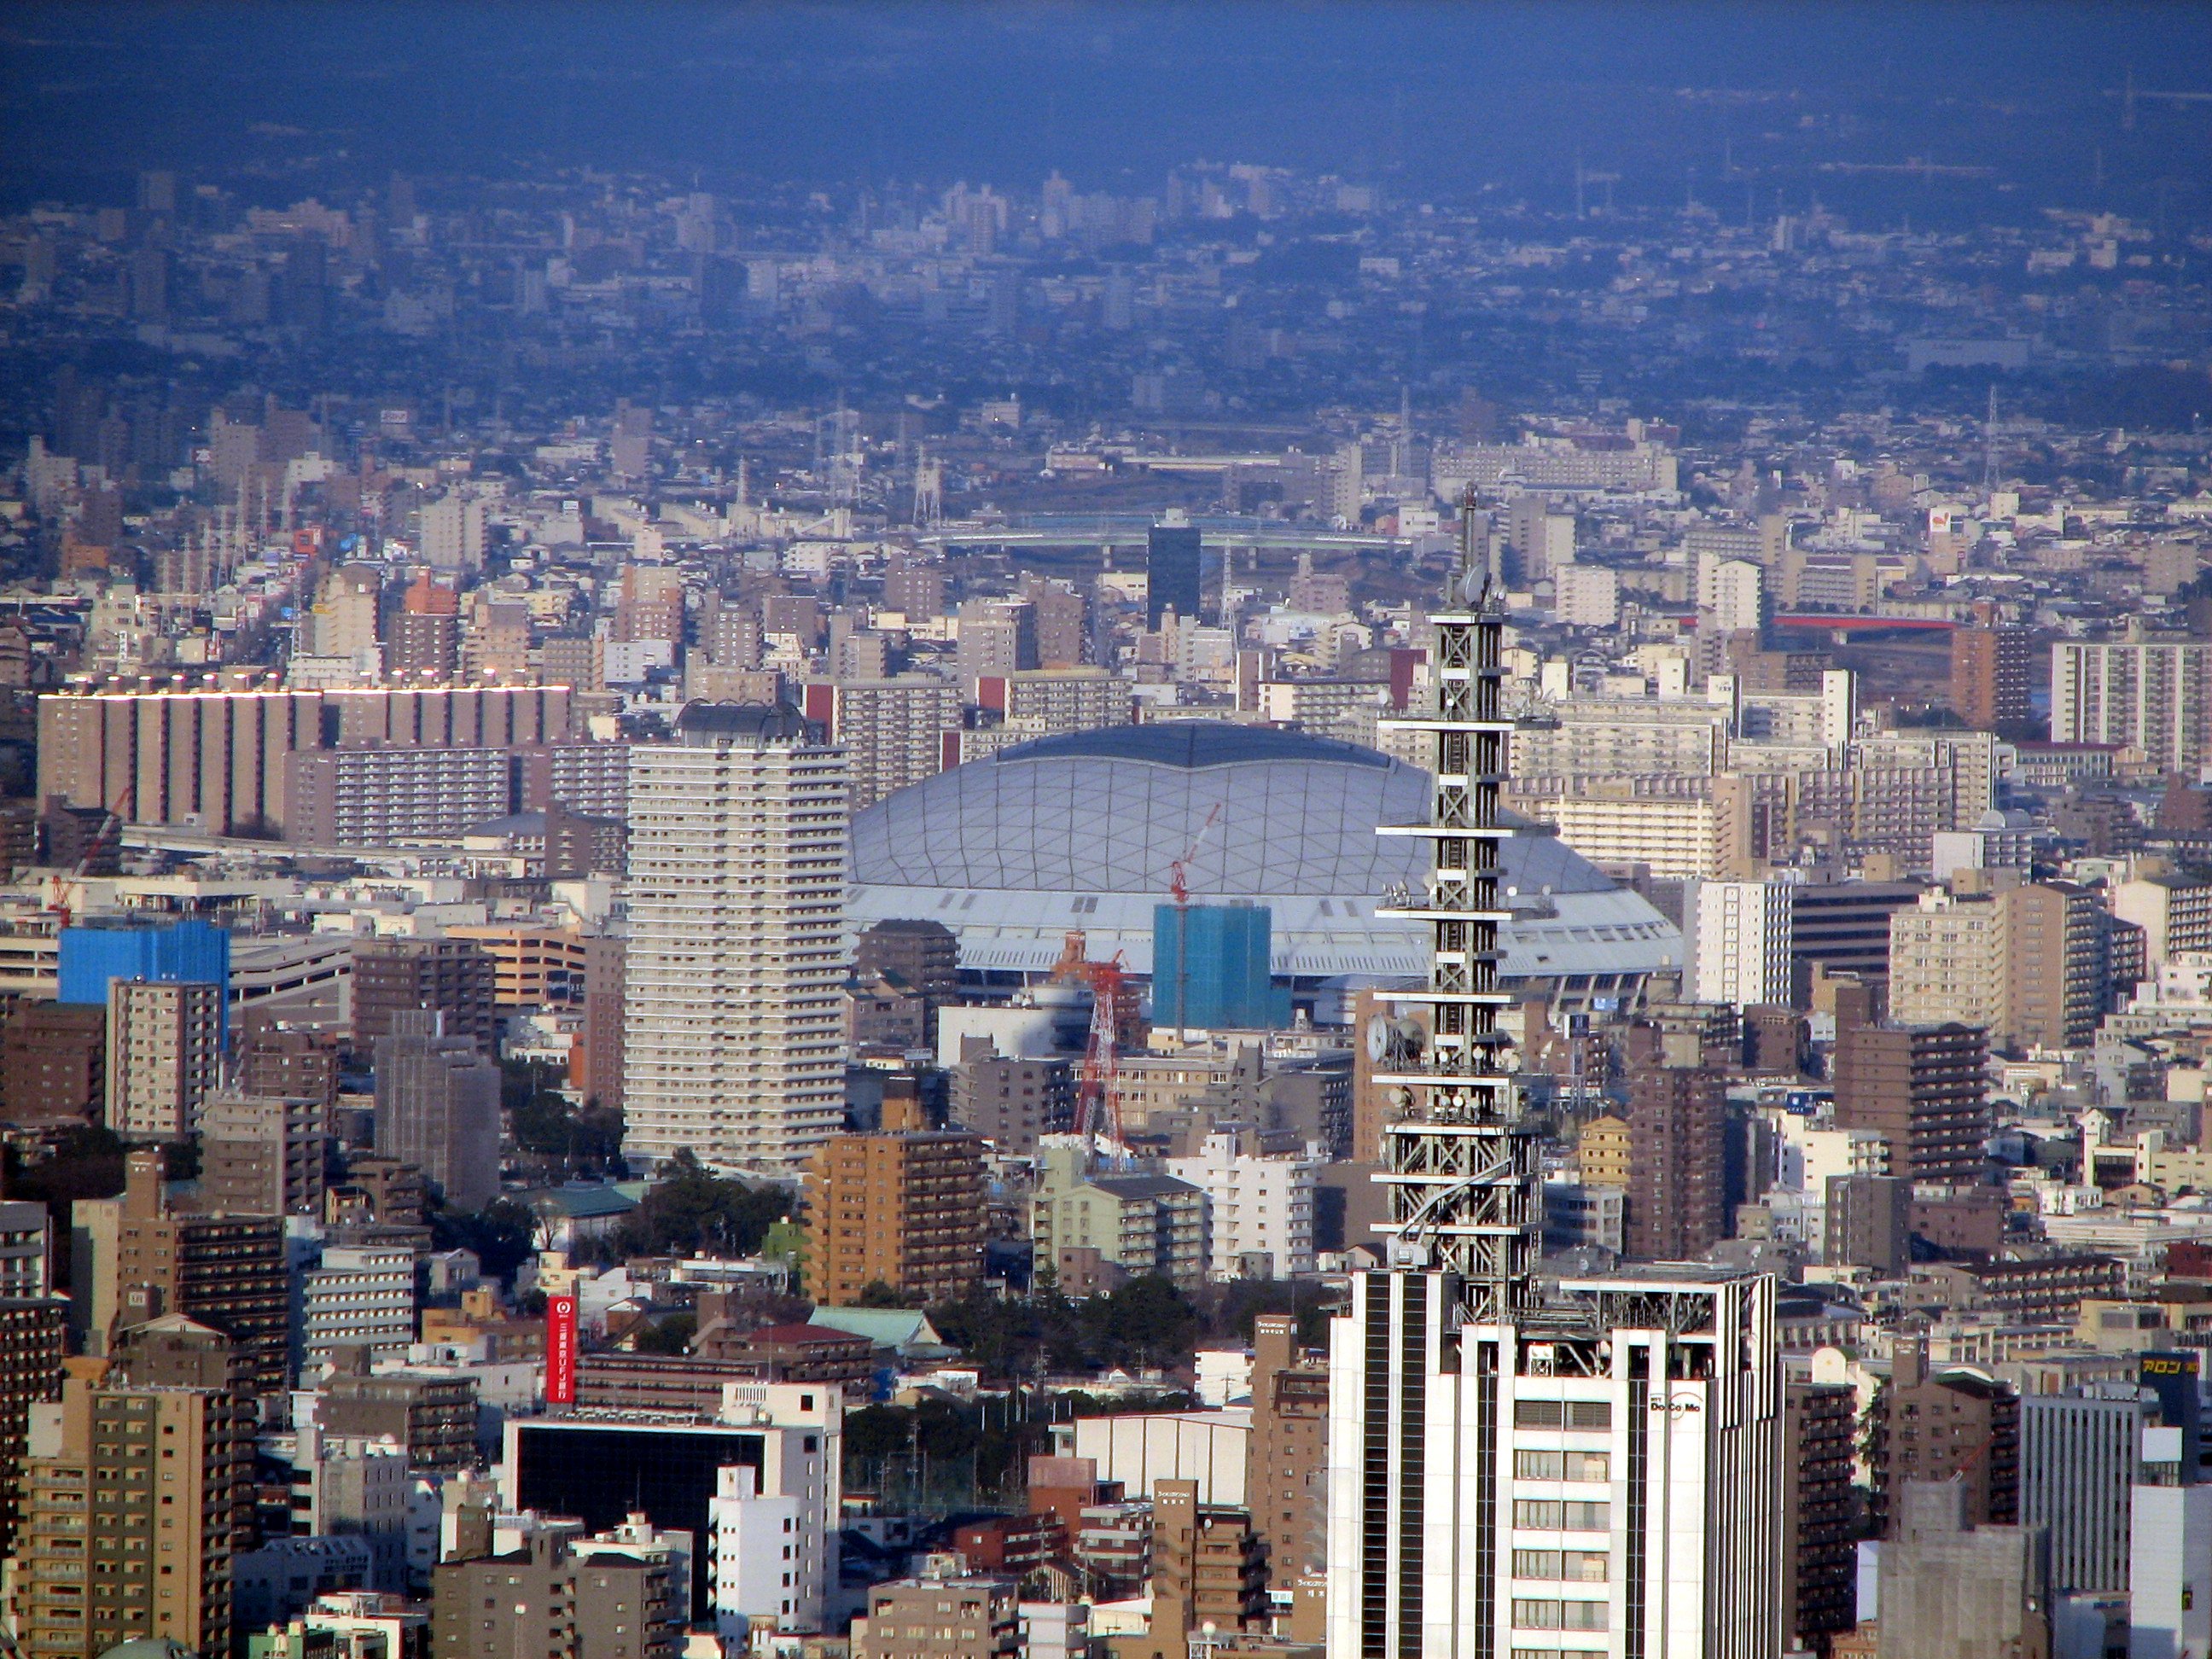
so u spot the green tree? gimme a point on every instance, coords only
(876, 1294)
(671, 1335)
(1015, 1338)
(1147, 1322)
(82, 1161)
(694, 1210)
(502, 1234)
(545, 1125)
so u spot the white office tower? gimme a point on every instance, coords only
(1598, 1471)
(1741, 941)
(732, 1034)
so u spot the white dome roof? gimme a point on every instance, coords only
(1012, 851)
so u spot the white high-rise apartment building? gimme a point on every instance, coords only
(453, 532)
(164, 1055)
(1586, 595)
(892, 731)
(734, 1032)
(1258, 1204)
(2151, 695)
(1742, 941)
(361, 1293)
(1736, 595)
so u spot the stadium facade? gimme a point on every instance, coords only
(1082, 831)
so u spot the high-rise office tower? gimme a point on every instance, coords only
(733, 1022)
(1596, 1472)
(1174, 571)
(437, 1107)
(2080, 1460)
(783, 1439)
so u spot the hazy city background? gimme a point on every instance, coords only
(1105, 831)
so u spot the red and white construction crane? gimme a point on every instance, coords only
(58, 885)
(1097, 1112)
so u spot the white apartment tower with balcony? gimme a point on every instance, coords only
(732, 1027)
(1510, 1476)
(1258, 1206)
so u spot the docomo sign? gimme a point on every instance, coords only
(561, 1350)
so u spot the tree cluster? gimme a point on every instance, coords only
(694, 1210)
(503, 1235)
(1147, 1322)
(564, 1138)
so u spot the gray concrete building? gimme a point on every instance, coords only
(2081, 1455)
(437, 1107)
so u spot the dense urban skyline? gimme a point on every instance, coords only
(963, 831)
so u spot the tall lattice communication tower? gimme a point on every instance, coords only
(1463, 1173)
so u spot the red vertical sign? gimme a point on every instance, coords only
(561, 1350)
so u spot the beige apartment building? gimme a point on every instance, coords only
(164, 1055)
(212, 757)
(2026, 964)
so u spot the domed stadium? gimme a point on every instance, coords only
(1082, 831)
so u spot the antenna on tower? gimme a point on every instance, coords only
(1990, 445)
(928, 489)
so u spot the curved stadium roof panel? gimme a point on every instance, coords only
(1082, 830)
